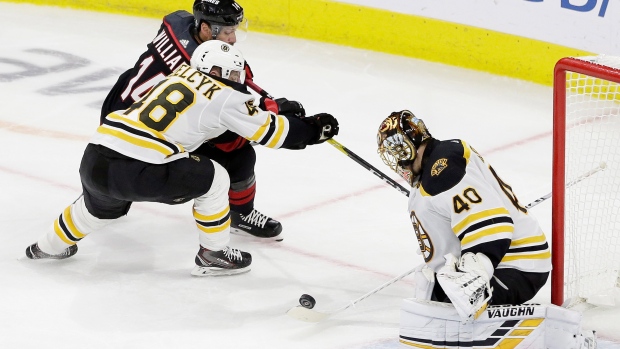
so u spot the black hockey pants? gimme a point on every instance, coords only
(112, 181)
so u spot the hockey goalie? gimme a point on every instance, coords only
(484, 255)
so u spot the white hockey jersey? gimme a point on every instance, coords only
(460, 205)
(181, 113)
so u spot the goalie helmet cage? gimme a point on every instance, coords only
(585, 216)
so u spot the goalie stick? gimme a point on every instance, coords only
(600, 167)
(311, 315)
(368, 166)
(399, 187)
(344, 149)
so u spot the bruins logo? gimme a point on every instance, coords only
(225, 48)
(251, 108)
(424, 241)
(439, 166)
(390, 123)
(195, 158)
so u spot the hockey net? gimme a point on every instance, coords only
(586, 181)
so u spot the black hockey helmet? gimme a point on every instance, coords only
(217, 12)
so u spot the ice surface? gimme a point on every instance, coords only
(345, 231)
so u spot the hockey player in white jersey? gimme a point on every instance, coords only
(479, 244)
(474, 235)
(144, 153)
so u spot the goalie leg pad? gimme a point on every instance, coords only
(426, 324)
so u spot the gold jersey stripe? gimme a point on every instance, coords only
(217, 229)
(138, 125)
(478, 216)
(529, 240)
(70, 225)
(423, 192)
(261, 130)
(486, 232)
(212, 217)
(466, 152)
(278, 134)
(521, 255)
(61, 234)
(134, 140)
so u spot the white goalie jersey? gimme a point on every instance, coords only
(461, 205)
(181, 113)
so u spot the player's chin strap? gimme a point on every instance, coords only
(342, 148)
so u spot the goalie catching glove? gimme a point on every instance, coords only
(466, 283)
(326, 125)
(282, 106)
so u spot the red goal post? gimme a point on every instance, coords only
(585, 223)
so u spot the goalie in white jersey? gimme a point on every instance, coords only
(480, 244)
(143, 153)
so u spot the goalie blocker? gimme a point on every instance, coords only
(429, 324)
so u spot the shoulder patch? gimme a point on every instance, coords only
(439, 166)
(444, 168)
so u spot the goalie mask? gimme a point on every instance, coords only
(218, 54)
(399, 137)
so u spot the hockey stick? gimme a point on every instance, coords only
(311, 315)
(251, 84)
(600, 167)
(368, 166)
(344, 150)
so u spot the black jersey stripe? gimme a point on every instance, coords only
(484, 224)
(272, 128)
(66, 230)
(143, 134)
(541, 247)
(214, 223)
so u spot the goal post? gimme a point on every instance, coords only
(586, 215)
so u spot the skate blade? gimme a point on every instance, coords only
(240, 232)
(214, 271)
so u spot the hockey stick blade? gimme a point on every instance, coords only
(310, 315)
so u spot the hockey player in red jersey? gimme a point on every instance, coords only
(175, 42)
(480, 244)
(146, 153)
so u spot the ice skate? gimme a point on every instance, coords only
(255, 224)
(228, 261)
(34, 252)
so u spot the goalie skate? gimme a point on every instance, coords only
(229, 261)
(255, 224)
(34, 252)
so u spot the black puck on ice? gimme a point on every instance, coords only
(307, 301)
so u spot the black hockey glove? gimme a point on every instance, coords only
(326, 124)
(283, 106)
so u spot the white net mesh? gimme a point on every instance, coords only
(592, 216)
